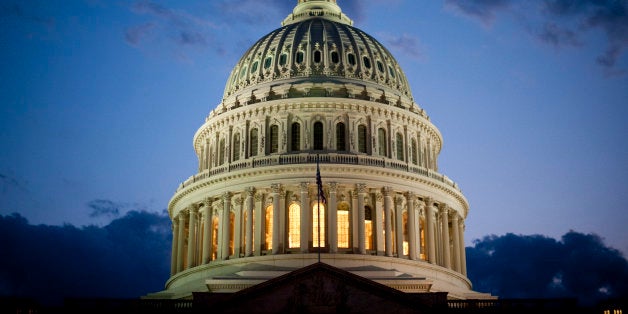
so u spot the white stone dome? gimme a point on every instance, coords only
(318, 90)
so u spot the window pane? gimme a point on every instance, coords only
(362, 139)
(294, 226)
(236, 147)
(274, 139)
(296, 137)
(340, 136)
(318, 136)
(400, 147)
(254, 143)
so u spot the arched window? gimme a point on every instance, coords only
(221, 152)
(294, 225)
(283, 59)
(274, 139)
(243, 72)
(254, 67)
(214, 238)
(300, 57)
(423, 255)
(334, 57)
(340, 137)
(414, 152)
(343, 225)
(380, 66)
(236, 147)
(367, 62)
(295, 143)
(315, 226)
(381, 141)
(253, 142)
(391, 71)
(400, 147)
(362, 138)
(317, 56)
(368, 228)
(351, 59)
(268, 62)
(406, 246)
(318, 135)
(268, 227)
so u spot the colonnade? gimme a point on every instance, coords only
(282, 219)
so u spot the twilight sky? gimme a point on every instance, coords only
(99, 101)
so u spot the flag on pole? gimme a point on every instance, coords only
(319, 183)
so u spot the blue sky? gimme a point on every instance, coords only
(99, 101)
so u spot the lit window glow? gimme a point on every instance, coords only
(294, 227)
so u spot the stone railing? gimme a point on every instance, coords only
(324, 158)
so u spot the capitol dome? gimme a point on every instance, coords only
(318, 95)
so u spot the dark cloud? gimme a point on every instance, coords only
(534, 266)
(8, 182)
(104, 208)
(485, 10)
(126, 259)
(562, 23)
(175, 25)
(404, 43)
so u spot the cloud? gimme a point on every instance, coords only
(135, 34)
(535, 266)
(128, 258)
(405, 43)
(104, 208)
(561, 23)
(484, 10)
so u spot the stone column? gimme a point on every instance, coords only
(332, 215)
(237, 227)
(175, 250)
(274, 194)
(224, 227)
(429, 225)
(463, 254)
(388, 203)
(378, 223)
(250, 202)
(207, 227)
(444, 211)
(399, 225)
(180, 240)
(456, 233)
(360, 188)
(420, 207)
(260, 231)
(283, 234)
(305, 219)
(412, 251)
(192, 236)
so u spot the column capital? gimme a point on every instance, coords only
(250, 191)
(276, 188)
(238, 200)
(193, 208)
(429, 201)
(420, 205)
(443, 208)
(226, 196)
(410, 195)
(207, 202)
(386, 190)
(303, 186)
(379, 197)
(361, 187)
(455, 217)
(333, 187)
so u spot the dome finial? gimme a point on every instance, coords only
(327, 9)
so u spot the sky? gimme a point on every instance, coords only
(99, 101)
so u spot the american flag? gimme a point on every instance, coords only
(319, 183)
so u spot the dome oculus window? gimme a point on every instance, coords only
(380, 66)
(300, 57)
(392, 72)
(283, 59)
(367, 62)
(268, 62)
(334, 57)
(351, 59)
(317, 56)
(254, 67)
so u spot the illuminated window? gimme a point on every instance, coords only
(269, 227)
(294, 225)
(253, 142)
(236, 147)
(340, 136)
(362, 138)
(368, 228)
(400, 146)
(274, 139)
(315, 229)
(343, 225)
(214, 238)
(318, 136)
(381, 139)
(404, 228)
(296, 136)
(422, 240)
